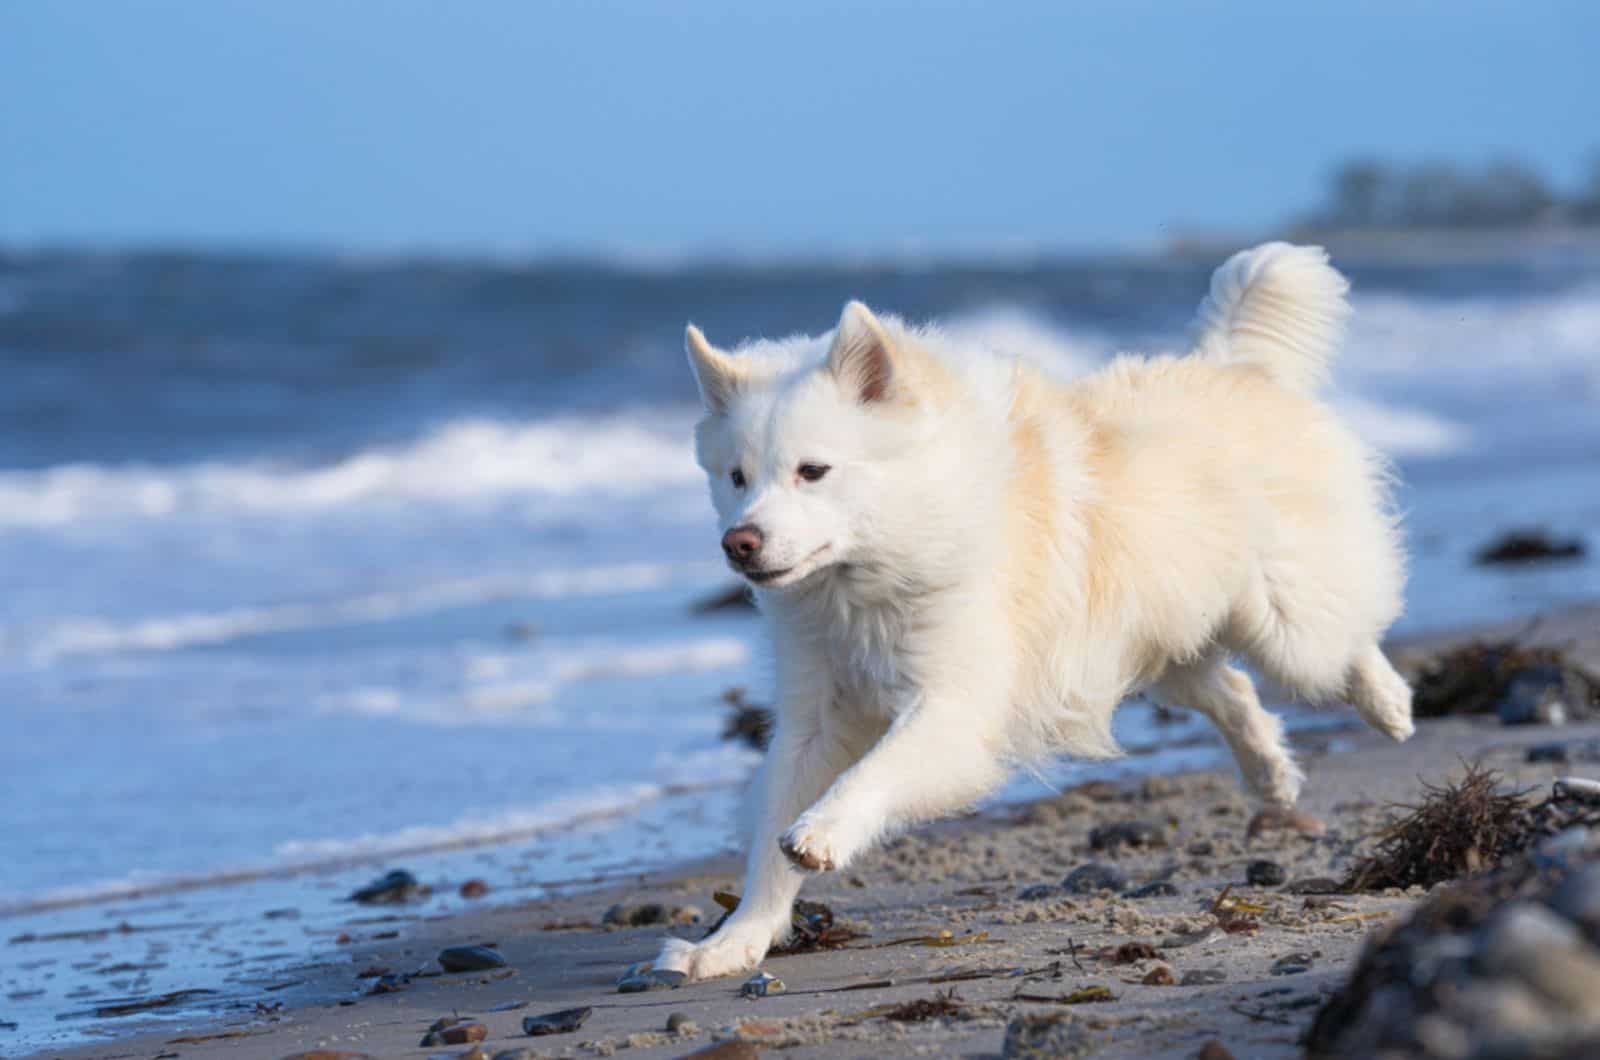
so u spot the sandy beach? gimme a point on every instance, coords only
(947, 934)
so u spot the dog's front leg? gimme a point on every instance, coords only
(939, 755)
(808, 753)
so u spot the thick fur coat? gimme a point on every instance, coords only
(967, 565)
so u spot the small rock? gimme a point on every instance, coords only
(1203, 977)
(733, 1050)
(1292, 964)
(760, 985)
(470, 959)
(1153, 889)
(1279, 818)
(641, 982)
(1546, 752)
(1314, 885)
(389, 984)
(391, 888)
(1093, 877)
(1160, 975)
(1038, 892)
(680, 1024)
(454, 1032)
(1213, 1050)
(474, 889)
(519, 1053)
(1576, 789)
(562, 1022)
(1201, 848)
(1528, 546)
(1047, 1036)
(1264, 873)
(644, 915)
(1137, 834)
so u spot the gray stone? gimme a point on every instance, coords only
(650, 980)
(470, 959)
(1264, 873)
(1093, 877)
(1154, 889)
(1113, 837)
(1203, 977)
(565, 1021)
(1038, 891)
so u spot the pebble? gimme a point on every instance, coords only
(1038, 891)
(474, 889)
(1201, 848)
(1314, 885)
(760, 985)
(641, 982)
(680, 1024)
(1576, 789)
(562, 1022)
(1047, 1036)
(1275, 818)
(390, 889)
(1292, 964)
(1113, 837)
(1213, 1050)
(651, 913)
(1095, 876)
(1160, 975)
(1264, 873)
(1203, 977)
(1153, 889)
(470, 959)
(519, 1053)
(1547, 752)
(455, 1034)
(389, 984)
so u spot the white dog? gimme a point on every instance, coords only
(967, 565)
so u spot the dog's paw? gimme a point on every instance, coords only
(725, 953)
(811, 847)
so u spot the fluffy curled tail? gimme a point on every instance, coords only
(1277, 306)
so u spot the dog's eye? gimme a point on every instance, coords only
(738, 478)
(813, 472)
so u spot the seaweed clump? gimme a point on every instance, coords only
(748, 723)
(1519, 682)
(1463, 829)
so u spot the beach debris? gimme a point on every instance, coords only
(680, 1024)
(921, 1010)
(813, 926)
(521, 1052)
(470, 959)
(1459, 829)
(373, 971)
(1129, 952)
(734, 598)
(1093, 877)
(1160, 975)
(130, 1006)
(729, 1050)
(943, 940)
(1047, 1036)
(1292, 964)
(1577, 789)
(389, 984)
(760, 985)
(643, 976)
(746, 722)
(1284, 819)
(1235, 915)
(473, 888)
(1522, 684)
(392, 888)
(1532, 545)
(1136, 834)
(1038, 892)
(1203, 977)
(563, 1022)
(1153, 889)
(1507, 957)
(650, 913)
(1213, 1050)
(1264, 873)
(1084, 995)
(454, 1031)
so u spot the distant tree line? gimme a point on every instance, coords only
(1371, 193)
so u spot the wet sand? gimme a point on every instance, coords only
(1006, 955)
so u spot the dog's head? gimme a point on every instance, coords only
(800, 443)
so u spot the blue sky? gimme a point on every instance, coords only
(701, 125)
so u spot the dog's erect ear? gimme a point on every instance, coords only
(715, 372)
(863, 357)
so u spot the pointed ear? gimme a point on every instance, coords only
(863, 357)
(715, 372)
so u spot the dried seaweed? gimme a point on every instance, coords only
(1529, 546)
(747, 722)
(1478, 676)
(1459, 829)
(921, 1010)
(814, 926)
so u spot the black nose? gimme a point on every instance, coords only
(742, 544)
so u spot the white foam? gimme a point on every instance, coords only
(96, 636)
(471, 460)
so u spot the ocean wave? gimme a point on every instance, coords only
(624, 455)
(96, 636)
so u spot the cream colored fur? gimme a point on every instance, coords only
(995, 560)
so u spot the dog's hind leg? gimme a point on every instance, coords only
(1379, 694)
(1226, 695)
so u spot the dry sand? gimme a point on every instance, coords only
(1010, 955)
